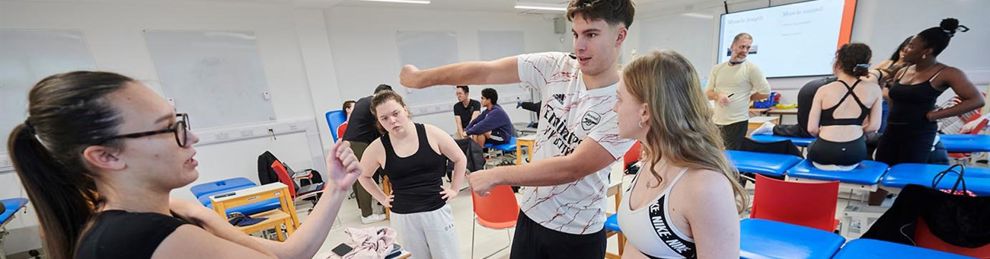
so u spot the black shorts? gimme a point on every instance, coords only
(532, 240)
(826, 152)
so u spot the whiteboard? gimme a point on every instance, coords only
(499, 44)
(427, 49)
(215, 76)
(26, 57)
(788, 40)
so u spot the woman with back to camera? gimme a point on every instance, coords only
(99, 154)
(844, 111)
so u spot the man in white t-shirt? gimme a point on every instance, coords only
(733, 85)
(577, 140)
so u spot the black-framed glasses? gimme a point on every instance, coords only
(180, 130)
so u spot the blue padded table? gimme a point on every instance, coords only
(760, 238)
(977, 178)
(612, 223)
(509, 146)
(798, 141)
(204, 191)
(865, 176)
(11, 206)
(869, 248)
(762, 163)
(965, 143)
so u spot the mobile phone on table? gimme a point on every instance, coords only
(342, 249)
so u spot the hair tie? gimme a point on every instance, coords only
(949, 33)
(863, 66)
(29, 127)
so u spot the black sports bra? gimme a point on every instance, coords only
(828, 115)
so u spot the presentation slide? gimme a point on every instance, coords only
(789, 40)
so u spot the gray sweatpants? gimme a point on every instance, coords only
(427, 234)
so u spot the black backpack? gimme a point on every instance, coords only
(266, 174)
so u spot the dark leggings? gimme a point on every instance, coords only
(901, 144)
(791, 131)
(848, 153)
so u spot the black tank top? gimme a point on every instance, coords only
(910, 104)
(828, 115)
(416, 179)
(121, 234)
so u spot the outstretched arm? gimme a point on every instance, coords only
(501, 71)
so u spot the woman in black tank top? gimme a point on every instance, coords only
(414, 157)
(98, 155)
(912, 126)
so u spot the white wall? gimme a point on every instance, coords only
(313, 60)
(113, 32)
(366, 54)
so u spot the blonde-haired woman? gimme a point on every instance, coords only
(685, 203)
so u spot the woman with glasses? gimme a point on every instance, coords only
(99, 154)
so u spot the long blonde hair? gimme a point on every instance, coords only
(681, 129)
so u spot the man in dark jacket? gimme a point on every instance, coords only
(493, 125)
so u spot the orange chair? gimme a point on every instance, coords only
(498, 210)
(297, 193)
(923, 237)
(806, 204)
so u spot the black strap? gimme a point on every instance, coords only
(960, 180)
(937, 72)
(665, 232)
(849, 92)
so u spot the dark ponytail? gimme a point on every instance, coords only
(937, 38)
(68, 112)
(854, 59)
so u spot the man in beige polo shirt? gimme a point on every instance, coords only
(733, 85)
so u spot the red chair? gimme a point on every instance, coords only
(632, 156)
(340, 132)
(806, 204)
(296, 192)
(498, 210)
(923, 237)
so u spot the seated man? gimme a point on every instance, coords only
(465, 111)
(493, 125)
(805, 97)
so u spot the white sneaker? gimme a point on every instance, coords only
(765, 129)
(372, 218)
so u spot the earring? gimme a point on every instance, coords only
(640, 124)
(924, 56)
